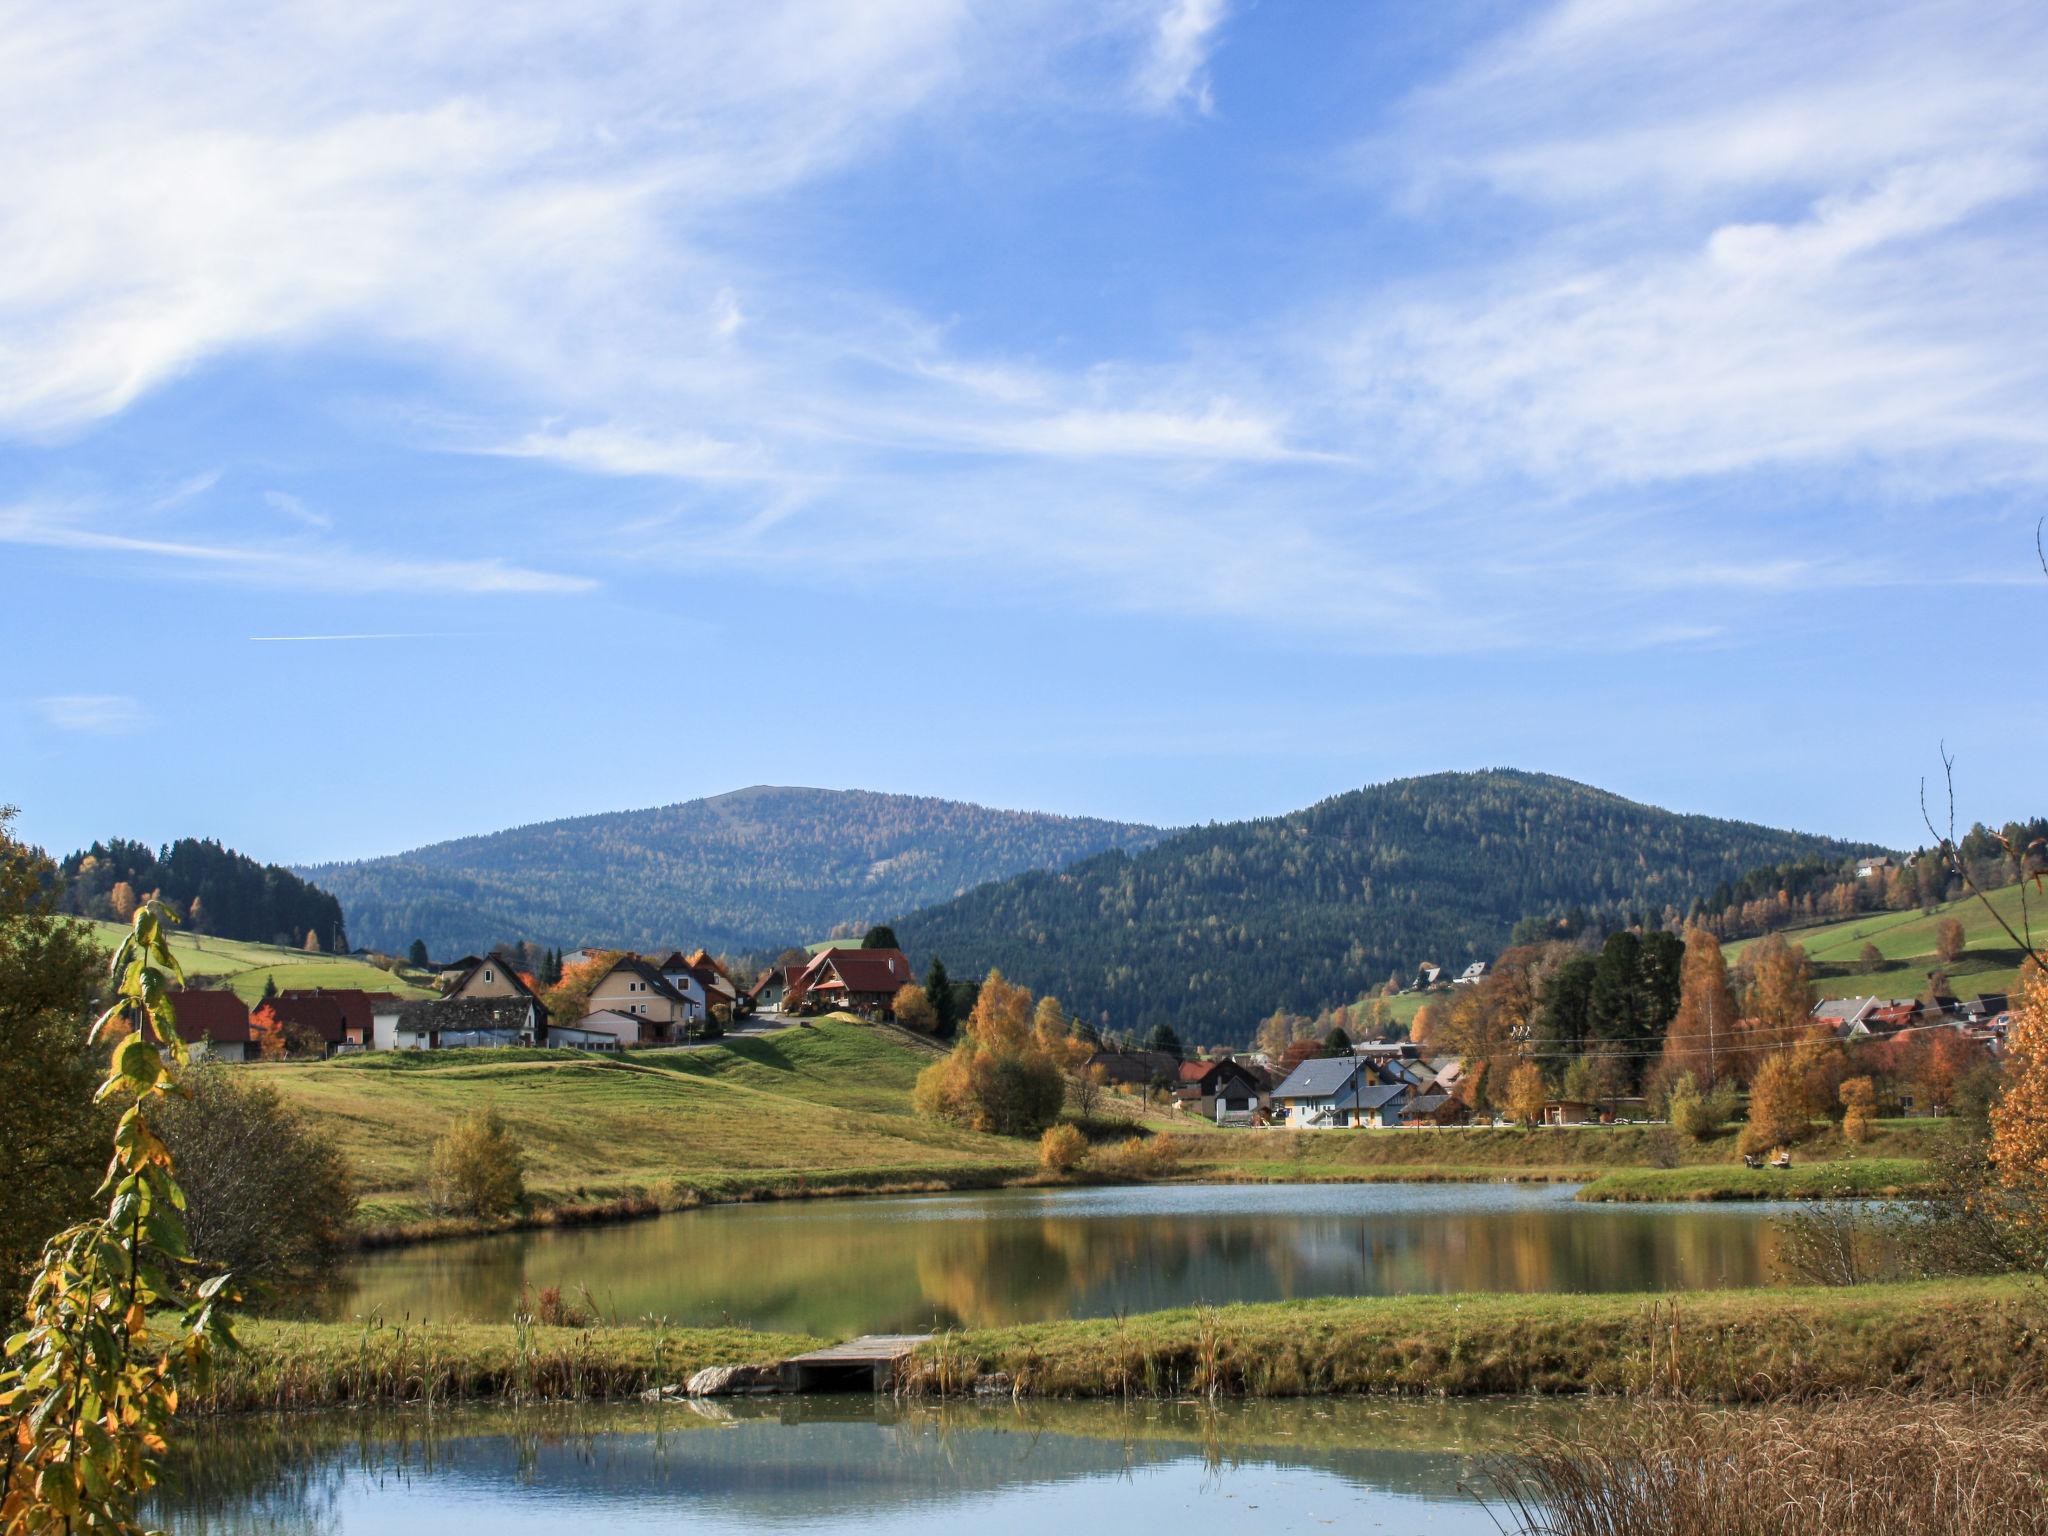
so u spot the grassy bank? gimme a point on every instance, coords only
(1947, 1339)
(1863, 1178)
(802, 1111)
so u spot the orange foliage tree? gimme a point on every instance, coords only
(2019, 1118)
(266, 1035)
(1003, 1076)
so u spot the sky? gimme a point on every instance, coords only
(419, 419)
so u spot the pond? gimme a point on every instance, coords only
(859, 1465)
(906, 1264)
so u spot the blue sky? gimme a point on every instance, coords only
(420, 420)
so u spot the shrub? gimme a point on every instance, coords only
(478, 1169)
(1061, 1149)
(1700, 1116)
(1141, 1157)
(265, 1196)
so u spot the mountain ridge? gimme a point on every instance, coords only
(746, 870)
(1212, 927)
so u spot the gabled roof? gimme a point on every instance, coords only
(471, 964)
(219, 1017)
(1379, 1095)
(355, 1005)
(312, 1011)
(1320, 1077)
(861, 970)
(469, 1013)
(1135, 1066)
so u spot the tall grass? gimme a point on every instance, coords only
(1886, 1464)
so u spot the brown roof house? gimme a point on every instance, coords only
(357, 1009)
(862, 981)
(448, 1023)
(1219, 1090)
(214, 1025)
(635, 987)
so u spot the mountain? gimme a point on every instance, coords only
(749, 871)
(1214, 927)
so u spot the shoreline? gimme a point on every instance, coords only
(1949, 1338)
(1873, 1178)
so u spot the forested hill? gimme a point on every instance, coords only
(1215, 927)
(748, 871)
(212, 889)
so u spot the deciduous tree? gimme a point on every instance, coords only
(2019, 1116)
(1525, 1094)
(912, 1006)
(1702, 1040)
(1949, 942)
(478, 1168)
(1777, 1107)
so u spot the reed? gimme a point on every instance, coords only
(1905, 1466)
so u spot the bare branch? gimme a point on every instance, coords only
(1952, 855)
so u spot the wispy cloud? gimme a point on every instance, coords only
(1176, 69)
(95, 714)
(323, 567)
(295, 509)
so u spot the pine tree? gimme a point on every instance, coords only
(939, 988)
(1336, 1043)
(269, 991)
(417, 956)
(881, 936)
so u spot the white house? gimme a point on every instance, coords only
(1338, 1092)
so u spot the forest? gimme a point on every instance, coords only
(211, 889)
(750, 871)
(1216, 927)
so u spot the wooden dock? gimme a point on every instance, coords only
(859, 1365)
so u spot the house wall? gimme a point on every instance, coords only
(217, 1050)
(624, 1033)
(491, 979)
(627, 993)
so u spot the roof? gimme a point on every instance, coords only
(1844, 1008)
(311, 1011)
(1427, 1103)
(1321, 1077)
(1379, 1095)
(471, 965)
(219, 1017)
(355, 1004)
(863, 970)
(1196, 1072)
(443, 1014)
(1136, 1066)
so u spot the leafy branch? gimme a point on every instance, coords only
(87, 1389)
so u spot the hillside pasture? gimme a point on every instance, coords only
(1906, 940)
(244, 965)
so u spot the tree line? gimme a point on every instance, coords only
(209, 888)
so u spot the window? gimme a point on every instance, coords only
(488, 976)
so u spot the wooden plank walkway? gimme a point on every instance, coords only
(865, 1364)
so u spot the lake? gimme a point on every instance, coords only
(849, 1465)
(904, 1264)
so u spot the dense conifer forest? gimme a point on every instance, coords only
(211, 889)
(1216, 927)
(749, 871)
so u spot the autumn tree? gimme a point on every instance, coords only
(478, 1168)
(195, 916)
(1525, 1094)
(1702, 1038)
(1001, 1077)
(912, 1006)
(1777, 1107)
(1859, 1108)
(1779, 986)
(1426, 1028)
(312, 945)
(2019, 1116)
(1870, 957)
(1949, 942)
(266, 1034)
(122, 899)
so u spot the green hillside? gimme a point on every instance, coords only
(1990, 962)
(825, 1103)
(749, 871)
(1216, 926)
(245, 965)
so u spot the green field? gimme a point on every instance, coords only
(244, 965)
(1990, 963)
(809, 1107)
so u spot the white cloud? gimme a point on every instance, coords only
(1749, 237)
(312, 567)
(296, 510)
(95, 714)
(1176, 69)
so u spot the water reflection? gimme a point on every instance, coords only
(832, 1465)
(1021, 1256)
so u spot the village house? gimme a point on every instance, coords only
(213, 1025)
(1220, 1090)
(606, 1031)
(447, 1023)
(1475, 972)
(1334, 1092)
(861, 981)
(356, 1009)
(769, 990)
(1135, 1069)
(308, 1017)
(633, 986)
(488, 976)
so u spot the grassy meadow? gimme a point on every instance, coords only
(1906, 940)
(806, 1108)
(244, 965)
